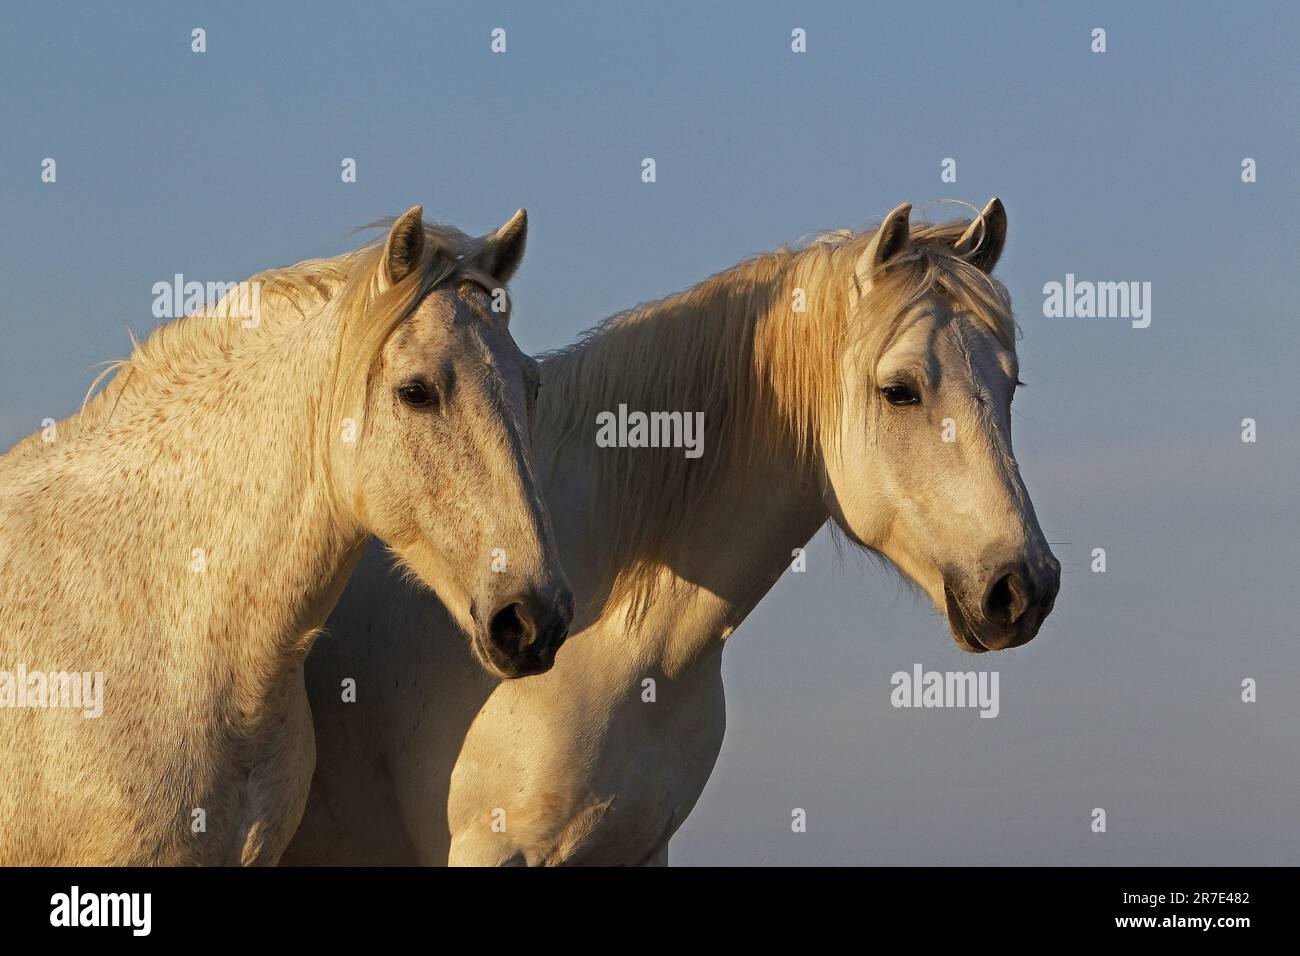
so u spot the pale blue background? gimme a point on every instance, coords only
(1118, 166)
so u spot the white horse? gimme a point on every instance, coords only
(173, 550)
(866, 379)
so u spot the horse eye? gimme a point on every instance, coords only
(900, 395)
(416, 395)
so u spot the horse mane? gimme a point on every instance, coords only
(289, 295)
(766, 377)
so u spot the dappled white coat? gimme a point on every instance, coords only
(436, 762)
(189, 533)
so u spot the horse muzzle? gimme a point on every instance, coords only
(521, 635)
(1008, 608)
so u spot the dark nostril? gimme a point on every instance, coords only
(512, 628)
(1006, 600)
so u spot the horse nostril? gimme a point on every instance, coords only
(512, 628)
(1006, 600)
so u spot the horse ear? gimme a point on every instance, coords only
(981, 244)
(404, 246)
(503, 250)
(890, 239)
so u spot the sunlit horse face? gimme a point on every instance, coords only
(446, 478)
(924, 472)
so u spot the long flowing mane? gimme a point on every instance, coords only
(766, 377)
(211, 339)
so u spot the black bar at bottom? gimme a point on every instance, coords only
(595, 908)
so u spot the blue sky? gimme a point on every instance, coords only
(1117, 166)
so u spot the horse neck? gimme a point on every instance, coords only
(724, 566)
(732, 536)
(252, 552)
